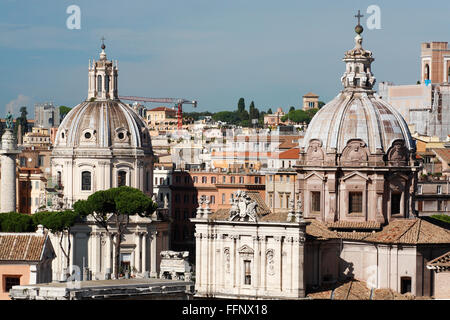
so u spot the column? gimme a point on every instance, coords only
(72, 251)
(137, 252)
(153, 272)
(263, 264)
(255, 268)
(198, 261)
(233, 260)
(290, 267)
(279, 257)
(205, 260)
(144, 252)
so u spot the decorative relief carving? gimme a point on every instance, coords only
(354, 153)
(243, 208)
(314, 152)
(226, 253)
(398, 154)
(270, 263)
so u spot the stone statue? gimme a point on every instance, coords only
(9, 121)
(243, 207)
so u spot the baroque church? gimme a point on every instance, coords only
(101, 144)
(353, 217)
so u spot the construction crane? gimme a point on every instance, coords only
(178, 103)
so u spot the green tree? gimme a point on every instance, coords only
(269, 111)
(241, 105)
(63, 111)
(311, 113)
(321, 104)
(16, 222)
(115, 206)
(59, 223)
(22, 121)
(292, 108)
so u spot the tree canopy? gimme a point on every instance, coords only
(115, 206)
(300, 116)
(63, 111)
(16, 222)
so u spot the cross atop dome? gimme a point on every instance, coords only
(103, 53)
(103, 43)
(359, 29)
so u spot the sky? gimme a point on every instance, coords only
(269, 52)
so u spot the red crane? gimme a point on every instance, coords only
(178, 103)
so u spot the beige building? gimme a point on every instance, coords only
(310, 101)
(25, 258)
(435, 60)
(161, 119)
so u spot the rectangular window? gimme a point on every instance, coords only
(247, 272)
(315, 201)
(439, 189)
(288, 178)
(355, 202)
(10, 281)
(419, 189)
(232, 179)
(241, 179)
(40, 161)
(281, 200)
(223, 198)
(439, 205)
(85, 181)
(396, 199)
(224, 179)
(287, 200)
(213, 199)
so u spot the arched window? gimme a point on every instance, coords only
(107, 83)
(121, 178)
(59, 179)
(99, 83)
(427, 72)
(86, 181)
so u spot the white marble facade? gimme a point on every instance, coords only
(91, 247)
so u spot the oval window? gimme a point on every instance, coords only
(87, 135)
(62, 135)
(121, 135)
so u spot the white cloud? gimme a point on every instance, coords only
(14, 105)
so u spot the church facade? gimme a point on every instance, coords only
(103, 143)
(355, 186)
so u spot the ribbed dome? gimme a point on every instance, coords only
(358, 115)
(103, 124)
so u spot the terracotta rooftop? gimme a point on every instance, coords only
(443, 153)
(288, 144)
(290, 154)
(21, 246)
(371, 225)
(312, 95)
(412, 231)
(162, 109)
(441, 263)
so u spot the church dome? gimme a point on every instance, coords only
(103, 121)
(103, 124)
(357, 115)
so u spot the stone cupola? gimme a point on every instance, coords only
(358, 75)
(103, 77)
